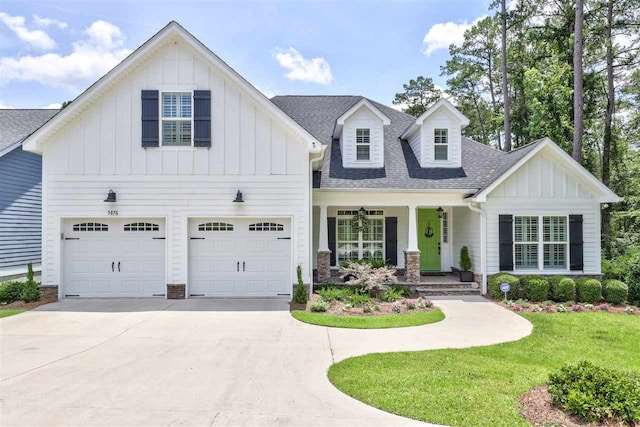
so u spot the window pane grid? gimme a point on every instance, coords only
(441, 136)
(354, 244)
(363, 148)
(529, 241)
(177, 107)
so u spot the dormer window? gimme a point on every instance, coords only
(441, 144)
(176, 119)
(363, 144)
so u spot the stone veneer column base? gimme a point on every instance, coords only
(412, 266)
(176, 291)
(324, 266)
(48, 293)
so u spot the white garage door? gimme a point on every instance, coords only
(239, 257)
(114, 257)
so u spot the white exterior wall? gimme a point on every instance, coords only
(415, 142)
(363, 118)
(441, 119)
(544, 187)
(100, 149)
(466, 232)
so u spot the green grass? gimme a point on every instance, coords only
(480, 386)
(10, 311)
(370, 322)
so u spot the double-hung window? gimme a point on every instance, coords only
(363, 144)
(176, 121)
(441, 144)
(535, 250)
(354, 243)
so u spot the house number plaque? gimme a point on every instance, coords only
(112, 213)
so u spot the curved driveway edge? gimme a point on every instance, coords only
(205, 362)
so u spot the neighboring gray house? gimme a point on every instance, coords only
(20, 191)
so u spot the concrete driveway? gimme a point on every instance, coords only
(204, 362)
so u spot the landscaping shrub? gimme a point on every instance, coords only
(358, 300)
(614, 291)
(562, 288)
(465, 259)
(333, 293)
(319, 306)
(632, 278)
(390, 294)
(301, 296)
(535, 288)
(11, 291)
(364, 275)
(30, 292)
(499, 278)
(588, 290)
(596, 394)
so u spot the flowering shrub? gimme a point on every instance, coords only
(548, 308)
(517, 307)
(536, 308)
(368, 277)
(510, 304)
(629, 310)
(576, 307)
(603, 307)
(561, 308)
(588, 306)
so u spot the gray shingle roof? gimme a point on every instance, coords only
(15, 125)
(481, 164)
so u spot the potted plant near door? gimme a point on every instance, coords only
(466, 275)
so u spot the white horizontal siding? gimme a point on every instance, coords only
(466, 232)
(416, 145)
(363, 118)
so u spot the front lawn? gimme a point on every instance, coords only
(370, 322)
(480, 386)
(10, 312)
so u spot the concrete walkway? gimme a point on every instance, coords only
(205, 362)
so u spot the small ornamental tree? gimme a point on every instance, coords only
(465, 259)
(365, 276)
(300, 296)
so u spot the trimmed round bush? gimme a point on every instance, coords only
(588, 290)
(562, 288)
(614, 291)
(536, 288)
(11, 291)
(497, 279)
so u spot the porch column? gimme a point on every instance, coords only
(412, 253)
(324, 253)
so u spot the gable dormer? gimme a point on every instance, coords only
(360, 131)
(436, 136)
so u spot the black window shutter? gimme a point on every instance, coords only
(576, 257)
(150, 119)
(391, 239)
(331, 226)
(202, 118)
(505, 237)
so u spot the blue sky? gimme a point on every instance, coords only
(52, 50)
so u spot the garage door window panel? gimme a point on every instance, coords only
(90, 226)
(141, 226)
(215, 226)
(266, 226)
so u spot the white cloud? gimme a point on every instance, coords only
(441, 35)
(4, 107)
(46, 22)
(36, 38)
(54, 106)
(314, 70)
(100, 50)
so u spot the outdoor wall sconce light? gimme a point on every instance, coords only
(238, 198)
(111, 197)
(440, 212)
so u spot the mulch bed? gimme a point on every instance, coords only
(385, 308)
(25, 305)
(553, 308)
(535, 407)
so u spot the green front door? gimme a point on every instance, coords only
(429, 239)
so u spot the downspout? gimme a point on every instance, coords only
(315, 156)
(483, 244)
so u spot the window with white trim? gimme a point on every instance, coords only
(535, 250)
(176, 119)
(215, 226)
(141, 226)
(266, 226)
(90, 226)
(441, 144)
(363, 144)
(354, 244)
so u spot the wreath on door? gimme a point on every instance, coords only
(428, 232)
(360, 223)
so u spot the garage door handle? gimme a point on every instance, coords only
(197, 238)
(238, 267)
(113, 265)
(242, 265)
(118, 266)
(284, 238)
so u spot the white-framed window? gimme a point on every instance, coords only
(215, 226)
(141, 226)
(266, 226)
(176, 119)
(354, 244)
(363, 144)
(537, 248)
(441, 144)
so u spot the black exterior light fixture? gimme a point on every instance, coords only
(238, 198)
(440, 212)
(111, 197)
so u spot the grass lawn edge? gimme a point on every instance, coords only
(388, 321)
(6, 312)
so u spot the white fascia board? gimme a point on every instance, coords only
(170, 30)
(386, 121)
(10, 148)
(607, 194)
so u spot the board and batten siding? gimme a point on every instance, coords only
(465, 229)
(441, 119)
(543, 186)
(252, 150)
(363, 118)
(20, 210)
